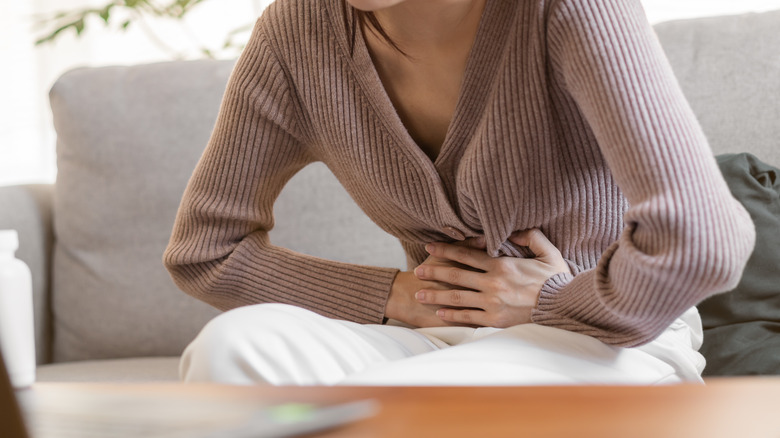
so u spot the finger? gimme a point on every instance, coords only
(472, 317)
(455, 276)
(476, 258)
(536, 241)
(451, 298)
(474, 242)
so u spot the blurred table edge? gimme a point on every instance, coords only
(723, 407)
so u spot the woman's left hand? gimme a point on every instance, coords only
(504, 290)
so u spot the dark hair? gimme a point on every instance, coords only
(366, 20)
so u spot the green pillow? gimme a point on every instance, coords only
(742, 327)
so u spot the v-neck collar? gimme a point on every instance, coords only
(478, 75)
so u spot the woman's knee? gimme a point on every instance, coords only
(230, 327)
(220, 350)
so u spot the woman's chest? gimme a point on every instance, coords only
(425, 99)
(506, 159)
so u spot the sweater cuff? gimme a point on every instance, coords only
(570, 303)
(552, 287)
(559, 297)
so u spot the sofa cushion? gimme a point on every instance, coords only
(144, 369)
(315, 215)
(742, 327)
(729, 69)
(128, 141)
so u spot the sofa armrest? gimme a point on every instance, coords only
(28, 209)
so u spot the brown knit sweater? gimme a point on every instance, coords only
(569, 120)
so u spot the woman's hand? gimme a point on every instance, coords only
(402, 304)
(502, 291)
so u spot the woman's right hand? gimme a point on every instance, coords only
(402, 304)
(404, 307)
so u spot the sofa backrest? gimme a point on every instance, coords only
(128, 140)
(729, 69)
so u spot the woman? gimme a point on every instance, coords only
(537, 161)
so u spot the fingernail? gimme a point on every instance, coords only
(419, 271)
(429, 248)
(420, 296)
(440, 313)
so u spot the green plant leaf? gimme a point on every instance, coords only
(132, 11)
(240, 29)
(105, 14)
(56, 32)
(79, 26)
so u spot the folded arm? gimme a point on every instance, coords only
(219, 250)
(685, 237)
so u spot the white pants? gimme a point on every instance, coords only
(286, 345)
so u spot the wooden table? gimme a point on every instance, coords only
(734, 408)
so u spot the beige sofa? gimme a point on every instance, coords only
(129, 137)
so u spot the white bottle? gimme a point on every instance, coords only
(17, 339)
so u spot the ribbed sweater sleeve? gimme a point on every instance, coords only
(219, 250)
(685, 237)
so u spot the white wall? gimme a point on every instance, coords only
(24, 152)
(664, 10)
(26, 137)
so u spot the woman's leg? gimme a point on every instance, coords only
(281, 344)
(536, 355)
(286, 345)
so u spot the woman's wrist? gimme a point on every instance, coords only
(396, 294)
